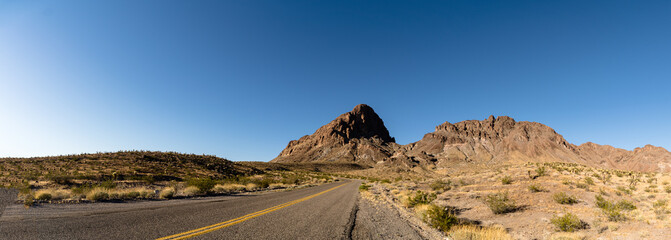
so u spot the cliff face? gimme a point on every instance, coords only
(360, 136)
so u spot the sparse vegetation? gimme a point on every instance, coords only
(441, 185)
(535, 188)
(499, 203)
(472, 232)
(506, 180)
(363, 187)
(421, 198)
(563, 198)
(568, 223)
(613, 211)
(440, 218)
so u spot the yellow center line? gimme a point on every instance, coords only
(234, 221)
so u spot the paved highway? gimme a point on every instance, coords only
(322, 212)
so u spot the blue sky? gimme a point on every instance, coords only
(240, 79)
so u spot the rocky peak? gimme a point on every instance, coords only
(358, 135)
(491, 127)
(361, 122)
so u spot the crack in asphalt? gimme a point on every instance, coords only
(352, 219)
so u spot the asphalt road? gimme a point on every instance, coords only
(322, 212)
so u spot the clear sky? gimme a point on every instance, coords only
(240, 79)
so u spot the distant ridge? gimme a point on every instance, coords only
(360, 136)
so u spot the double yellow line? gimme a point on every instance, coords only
(234, 221)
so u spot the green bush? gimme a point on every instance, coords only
(364, 187)
(535, 188)
(440, 218)
(441, 185)
(29, 200)
(589, 180)
(204, 185)
(613, 211)
(540, 171)
(625, 205)
(624, 190)
(421, 198)
(568, 223)
(563, 198)
(506, 180)
(499, 203)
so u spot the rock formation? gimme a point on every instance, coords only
(360, 136)
(357, 136)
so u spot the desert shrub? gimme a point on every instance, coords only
(667, 189)
(97, 194)
(625, 205)
(563, 198)
(613, 211)
(440, 218)
(624, 190)
(589, 180)
(109, 184)
(191, 191)
(364, 187)
(61, 179)
(204, 185)
(472, 232)
(29, 200)
(440, 185)
(499, 203)
(540, 171)
(506, 180)
(167, 193)
(251, 187)
(661, 203)
(44, 196)
(535, 188)
(130, 195)
(568, 223)
(421, 198)
(582, 185)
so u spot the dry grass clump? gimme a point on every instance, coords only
(52, 194)
(97, 194)
(251, 187)
(229, 188)
(191, 191)
(167, 193)
(478, 233)
(567, 236)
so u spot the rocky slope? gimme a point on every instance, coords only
(360, 136)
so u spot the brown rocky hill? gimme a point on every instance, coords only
(360, 136)
(357, 136)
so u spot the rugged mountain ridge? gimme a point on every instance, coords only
(360, 136)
